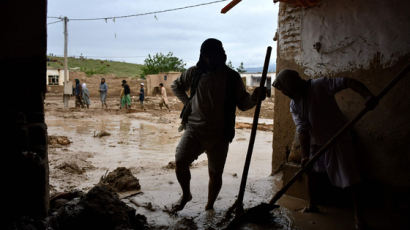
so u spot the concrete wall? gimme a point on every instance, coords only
(23, 46)
(368, 40)
(250, 79)
(153, 81)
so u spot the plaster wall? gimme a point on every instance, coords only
(153, 81)
(362, 39)
(59, 72)
(251, 81)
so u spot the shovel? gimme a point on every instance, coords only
(238, 204)
(261, 211)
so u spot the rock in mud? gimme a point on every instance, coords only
(56, 141)
(170, 165)
(101, 134)
(121, 180)
(100, 208)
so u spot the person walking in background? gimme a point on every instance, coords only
(164, 98)
(86, 95)
(103, 93)
(142, 96)
(125, 95)
(78, 94)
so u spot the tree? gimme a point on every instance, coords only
(241, 69)
(162, 63)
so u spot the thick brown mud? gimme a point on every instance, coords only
(144, 142)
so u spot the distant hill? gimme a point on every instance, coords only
(95, 66)
(272, 68)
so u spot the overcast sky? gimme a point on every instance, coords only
(246, 30)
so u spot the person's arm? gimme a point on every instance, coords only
(303, 130)
(304, 140)
(244, 100)
(182, 84)
(358, 87)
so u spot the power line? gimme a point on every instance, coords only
(54, 22)
(142, 14)
(106, 57)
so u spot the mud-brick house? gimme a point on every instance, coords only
(153, 81)
(368, 40)
(55, 76)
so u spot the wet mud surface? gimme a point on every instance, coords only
(144, 142)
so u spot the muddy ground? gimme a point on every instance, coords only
(145, 142)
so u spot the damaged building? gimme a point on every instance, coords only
(366, 40)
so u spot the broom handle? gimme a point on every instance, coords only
(253, 132)
(346, 127)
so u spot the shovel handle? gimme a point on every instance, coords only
(253, 134)
(346, 127)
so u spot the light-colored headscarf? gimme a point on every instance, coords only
(84, 86)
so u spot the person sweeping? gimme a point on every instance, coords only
(317, 118)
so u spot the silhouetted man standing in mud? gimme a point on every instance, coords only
(208, 117)
(317, 118)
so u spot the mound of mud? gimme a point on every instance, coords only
(70, 167)
(185, 224)
(262, 127)
(101, 134)
(121, 180)
(56, 141)
(100, 208)
(170, 165)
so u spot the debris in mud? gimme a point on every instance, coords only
(121, 180)
(146, 205)
(262, 127)
(58, 200)
(71, 167)
(185, 224)
(101, 134)
(170, 165)
(100, 208)
(57, 141)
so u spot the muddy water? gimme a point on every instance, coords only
(145, 142)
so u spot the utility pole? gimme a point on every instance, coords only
(68, 89)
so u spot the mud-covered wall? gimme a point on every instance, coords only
(24, 150)
(368, 40)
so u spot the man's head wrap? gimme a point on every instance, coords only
(287, 79)
(212, 49)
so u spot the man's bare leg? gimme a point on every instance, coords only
(184, 178)
(357, 208)
(311, 207)
(214, 187)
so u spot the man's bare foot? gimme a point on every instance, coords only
(180, 204)
(310, 209)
